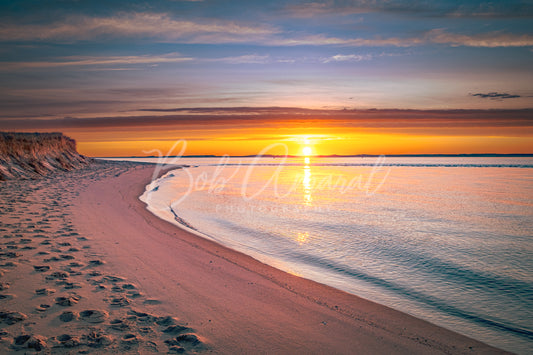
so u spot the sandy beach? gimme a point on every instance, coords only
(86, 268)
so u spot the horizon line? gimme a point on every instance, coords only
(480, 155)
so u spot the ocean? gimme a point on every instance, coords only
(446, 239)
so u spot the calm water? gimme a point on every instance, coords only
(449, 240)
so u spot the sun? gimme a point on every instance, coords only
(307, 151)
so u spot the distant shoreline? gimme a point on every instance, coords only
(488, 155)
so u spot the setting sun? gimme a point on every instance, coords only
(307, 151)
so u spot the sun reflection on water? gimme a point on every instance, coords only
(302, 237)
(308, 199)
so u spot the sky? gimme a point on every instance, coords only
(233, 77)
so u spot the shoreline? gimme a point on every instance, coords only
(376, 328)
(228, 301)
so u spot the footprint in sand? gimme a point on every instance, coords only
(112, 279)
(25, 341)
(68, 341)
(68, 300)
(68, 316)
(72, 272)
(165, 321)
(99, 287)
(119, 301)
(95, 262)
(97, 339)
(176, 350)
(175, 329)
(68, 285)
(94, 273)
(93, 316)
(117, 289)
(11, 254)
(9, 264)
(129, 341)
(180, 341)
(42, 308)
(58, 275)
(45, 291)
(146, 330)
(41, 268)
(188, 338)
(141, 317)
(134, 294)
(10, 318)
(119, 324)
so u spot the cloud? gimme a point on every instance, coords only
(496, 96)
(135, 25)
(274, 116)
(492, 9)
(322, 40)
(164, 28)
(110, 61)
(308, 9)
(444, 8)
(347, 58)
(99, 61)
(243, 59)
(491, 39)
(435, 36)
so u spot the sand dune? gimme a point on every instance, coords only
(31, 155)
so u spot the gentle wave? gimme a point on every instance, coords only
(426, 299)
(441, 269)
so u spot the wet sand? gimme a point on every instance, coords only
(86, 268)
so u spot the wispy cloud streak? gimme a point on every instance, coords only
(99, 61)
(347, 58)
(136, 25)
(272, 116)
(435, 36)
(496, 96)
(491, 39)
(446, 8)
(162, 27)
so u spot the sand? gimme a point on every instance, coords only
(85, 268)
